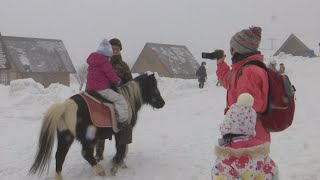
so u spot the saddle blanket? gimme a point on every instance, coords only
(101, 113)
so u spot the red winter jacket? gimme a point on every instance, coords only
(253, 80)
(100, 73)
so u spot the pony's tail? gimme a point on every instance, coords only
(50, 123)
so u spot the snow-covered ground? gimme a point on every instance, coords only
(171, 143)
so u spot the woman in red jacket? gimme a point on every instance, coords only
(253, 80)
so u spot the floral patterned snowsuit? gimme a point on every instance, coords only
(245, 160)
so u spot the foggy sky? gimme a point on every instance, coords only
(201, 25)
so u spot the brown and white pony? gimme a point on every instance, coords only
(71, 119)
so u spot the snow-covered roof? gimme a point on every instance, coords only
(177, 59)
(38, 55)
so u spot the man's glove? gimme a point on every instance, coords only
(115, 85)
(220, 55)
(118, 83)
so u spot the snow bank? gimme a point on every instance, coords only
(30, 97)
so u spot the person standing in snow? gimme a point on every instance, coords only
(253, 79)
(239, 154)
(123, 71)
(202, 74)
(282, 69)
(273, 65)
(101, 76)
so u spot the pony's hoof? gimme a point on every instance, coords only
(99, 170)
(103, 173)
(58, 176)
(124, 166)
(114, 170)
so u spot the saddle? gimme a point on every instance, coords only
(101, 111)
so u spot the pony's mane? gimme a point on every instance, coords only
(132, 93)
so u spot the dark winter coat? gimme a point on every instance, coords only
(121, 68)
(202, 74)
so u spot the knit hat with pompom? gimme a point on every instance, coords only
(240, 118)
(247, 40)
(105, 48)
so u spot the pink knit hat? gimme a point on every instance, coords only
(240, 118)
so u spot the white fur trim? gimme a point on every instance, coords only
(245, 99)
(254, 152)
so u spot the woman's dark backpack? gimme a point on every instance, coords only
(281, 100)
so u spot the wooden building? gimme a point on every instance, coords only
(294, 46)
(44, 60)
(167, 60)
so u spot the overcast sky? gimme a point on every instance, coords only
(201, 25)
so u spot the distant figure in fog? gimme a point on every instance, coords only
(282, 68)
(273, 65)
(202, 74)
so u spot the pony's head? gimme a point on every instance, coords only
(149, 89)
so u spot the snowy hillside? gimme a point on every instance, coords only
(172, 143)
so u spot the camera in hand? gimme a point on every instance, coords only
(213, 56)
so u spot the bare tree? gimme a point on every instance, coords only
(81, 75)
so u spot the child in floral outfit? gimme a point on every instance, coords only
(239, 154)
